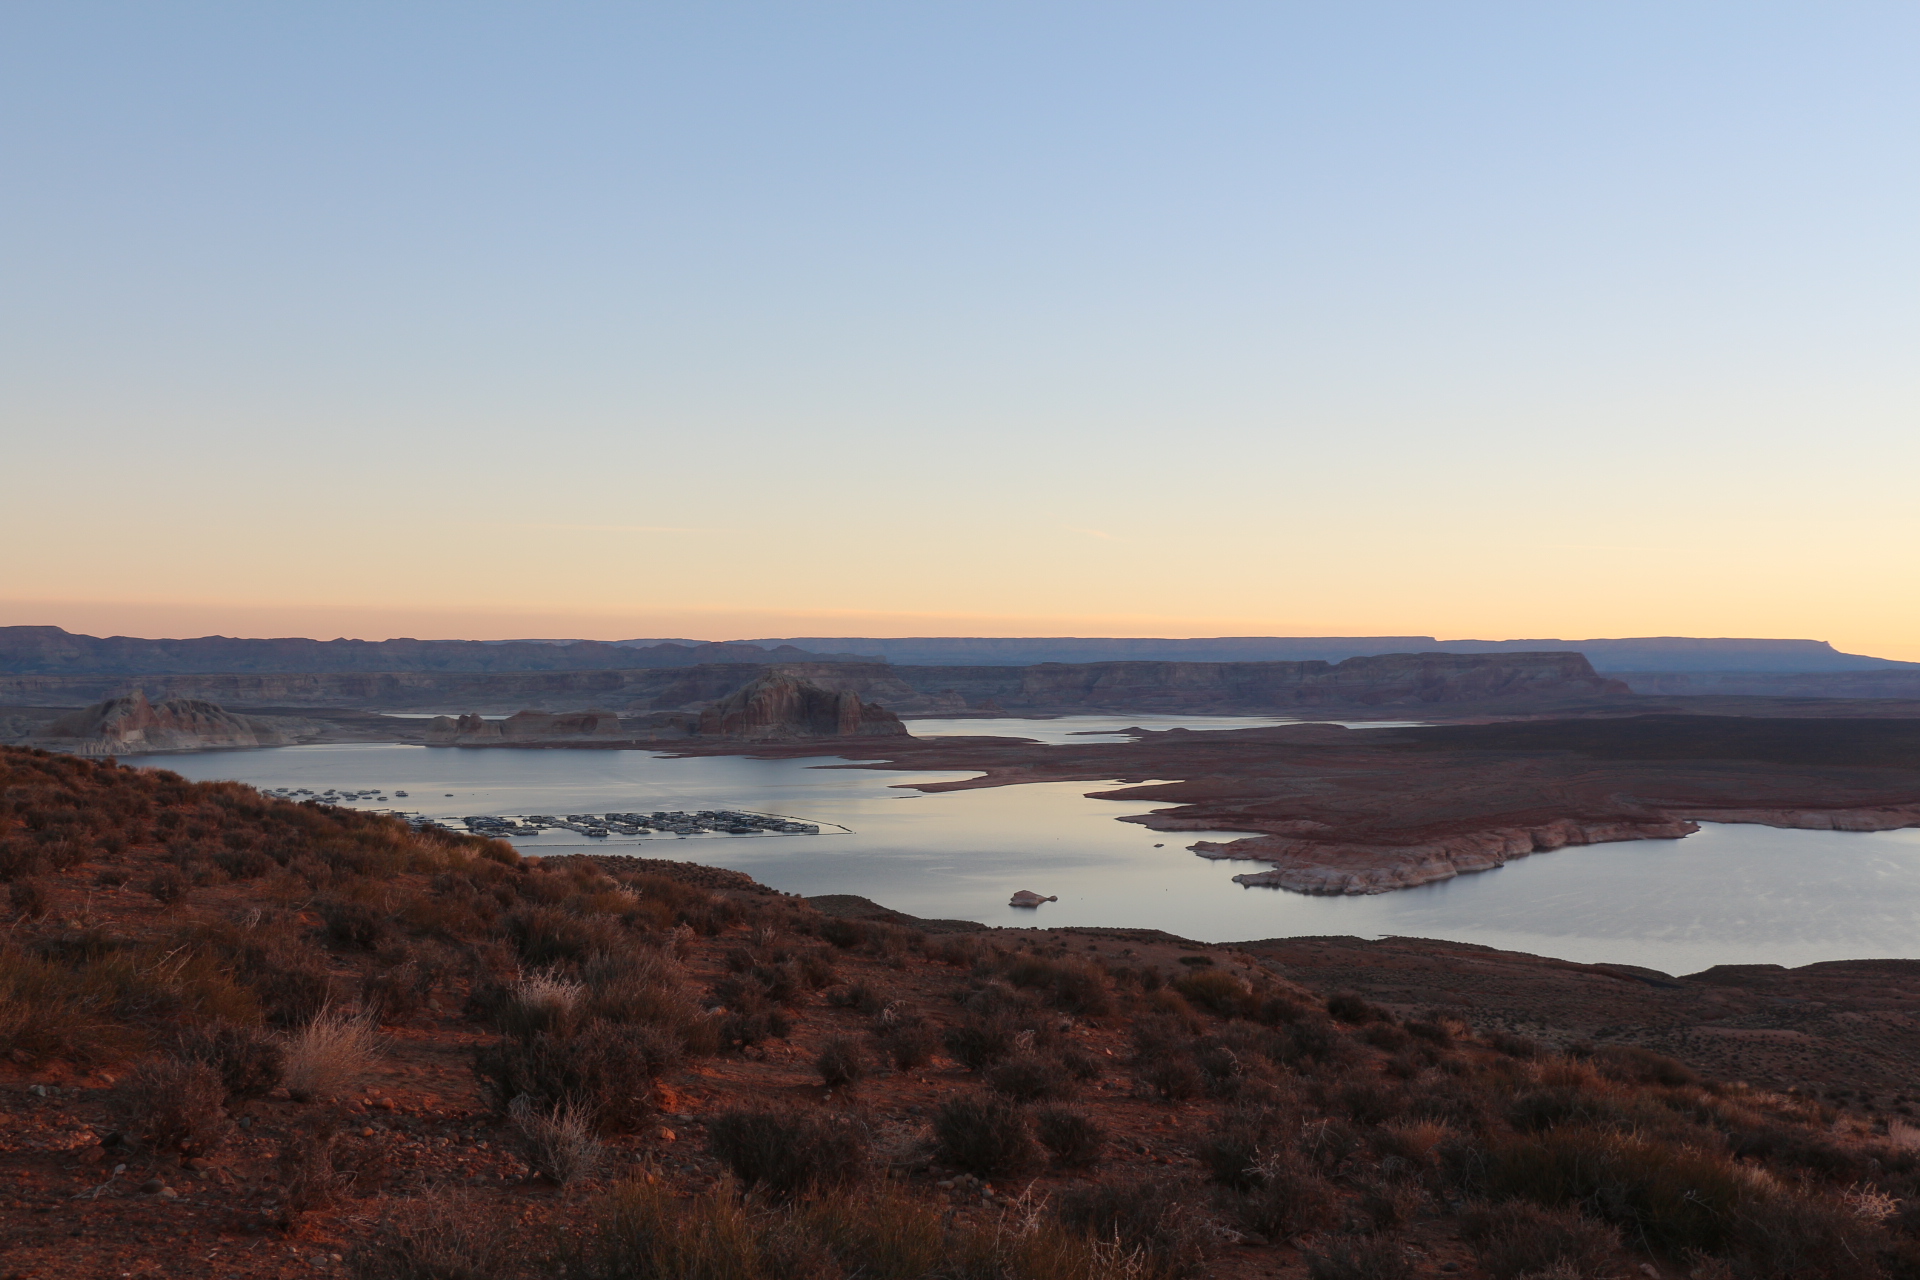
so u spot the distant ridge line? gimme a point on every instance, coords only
(1679, 654)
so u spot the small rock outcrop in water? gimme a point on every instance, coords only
(778, 707)
(527, 727)
(1028, 898)
(132, 725)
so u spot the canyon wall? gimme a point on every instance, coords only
(53, 651)
(1889, 683)
(1050, 688)
(1405, 679)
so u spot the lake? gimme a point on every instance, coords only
(1728, 895)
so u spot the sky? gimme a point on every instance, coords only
(713, 319)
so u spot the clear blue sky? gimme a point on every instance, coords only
(1465, 318)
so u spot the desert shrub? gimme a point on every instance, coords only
(546, 936)
(1308, 1039)
(1331, 1145)
(1368, 1102)
(1236, 1143)
(1808, 1237)
(537, 1003)
(1072, 1138)
(172, 1104)
(1217, 991)
(19, 858)
(1632, 1065)
(1068, 986)
(292, 993)
(445, 1236)
(1514, 1045)
(1030, 1078)
(243, 864)
(1151, 1216)
(858, 996)
(644, 1232)
(1378, 1258)
(327, 1054)
(28, 898)
(749, 1017)
(816, 968)
(168, 885)
(1082, 1065)
(785, 1154)
(983, 1135)
(840, 1063)
(317, 1164)
(978, 1042)
(250, 1063)
(1519, 1240)
(907, 1040)
(392, 995)
(1384, 1035)
(1663, 1196)
(1173, 1075)
(1275, 1010)
(1535, 1110)
(1350, 1007)
(845, 934)
(1797, 1149)
(1269, 1189)
(352, 924)
(604, 1071)
(1431, 1030)
(559, 1141)
(1230, 1061)
(47, 1011)
(645, 989)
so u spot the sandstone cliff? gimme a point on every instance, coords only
(1413, 680)
(782, 707)
(132, 725)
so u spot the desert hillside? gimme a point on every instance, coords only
(245, 1037)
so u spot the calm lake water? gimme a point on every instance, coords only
(1729, 895)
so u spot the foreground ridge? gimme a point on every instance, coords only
(248, 1037)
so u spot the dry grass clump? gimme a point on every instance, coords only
(444, 1236)
(559, 1141)
(50, 1011)
(328, 1054)
(1156, 1220)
